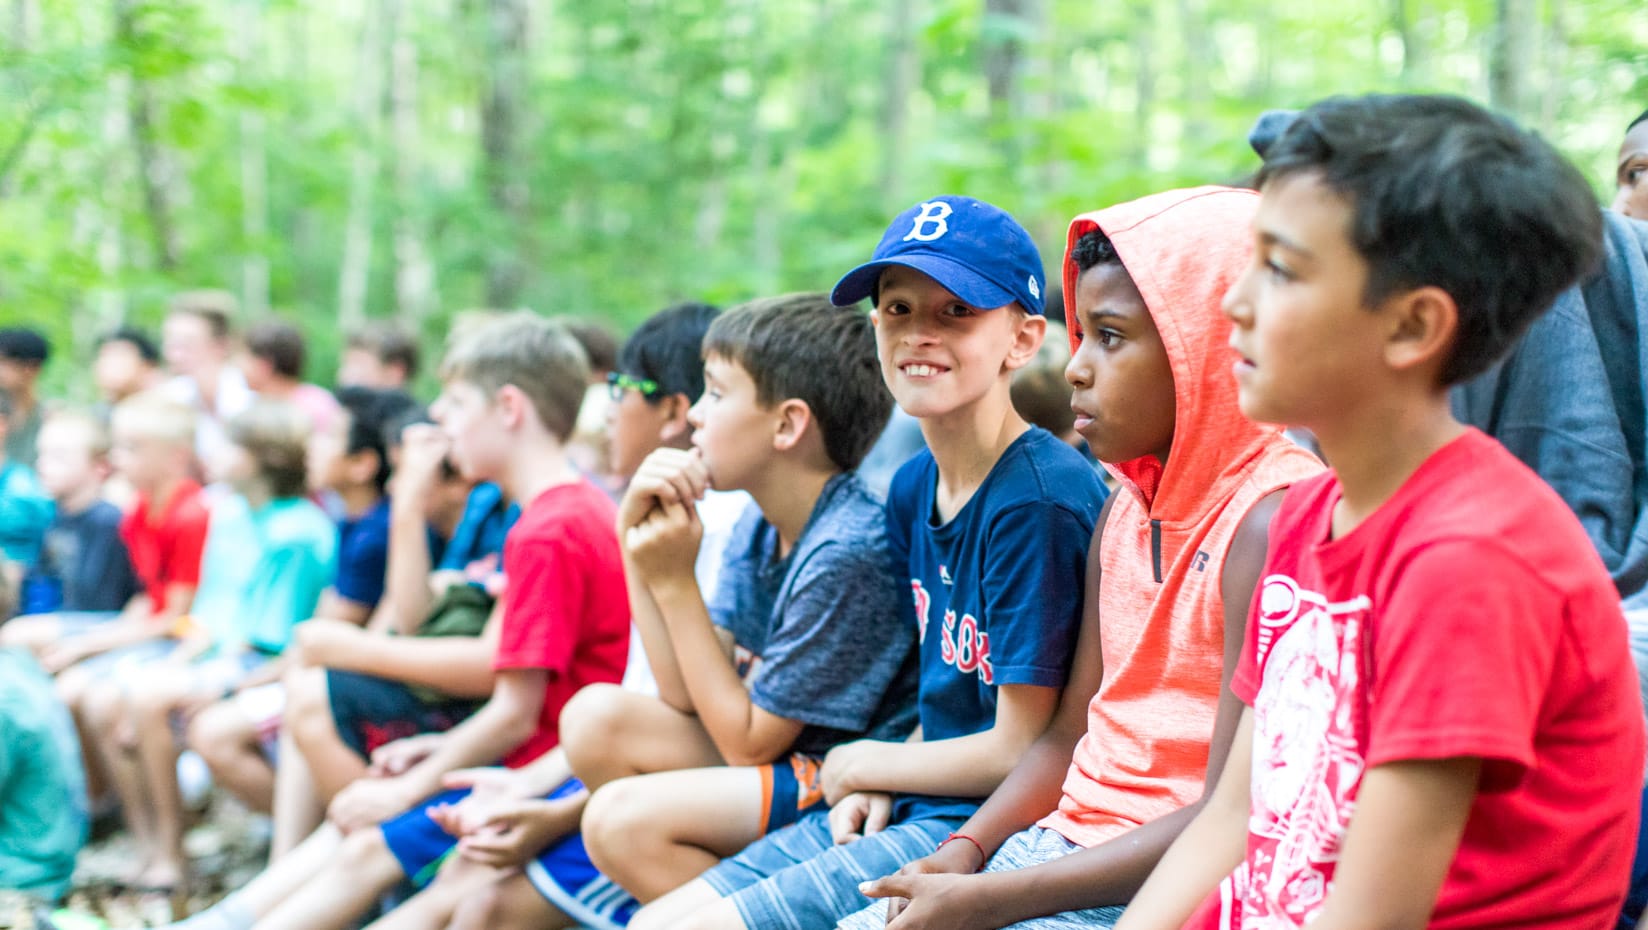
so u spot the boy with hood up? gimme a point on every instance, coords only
(1171, 574)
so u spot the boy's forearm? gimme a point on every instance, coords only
(1109, 874)
(1030, 792)
(545, 773)
(719, 698)
(655, 639)
(483, 739)
(460, 666)
(964, 766)
(406, 579)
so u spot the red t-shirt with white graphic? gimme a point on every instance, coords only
(1467, 617)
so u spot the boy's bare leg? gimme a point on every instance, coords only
(337, 894)
(151, 707)
(434, 907)
(694, 905)
(73, 684)
(31, 633)
(281, 880)
(297, 809)
(654, 833)
(332, 764)
(610, 733)
(228, 741)
(508, 903)
(106, 718)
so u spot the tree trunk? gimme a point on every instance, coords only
(254, 167)
(414, 271)
(1556, 59)
(355, 271)
(1144, 83)
(1005, 24)
(1415, 54)
(1198, 92)
(154, 171)
(1510, 55)
(903, 71)
(504, 85)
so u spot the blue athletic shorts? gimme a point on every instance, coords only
(418, 842)
(565, 876)
(791, 788)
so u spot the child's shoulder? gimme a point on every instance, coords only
(577, 510)
(1039, 471)
(297, 521)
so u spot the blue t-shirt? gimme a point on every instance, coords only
(263, 573)
(363, 555)
(817, 634)
(997, 590)
(83, 564)
(480, 532)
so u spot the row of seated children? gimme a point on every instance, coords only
(1375, 571)
(1073, 736)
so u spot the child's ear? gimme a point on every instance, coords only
(1028, 333)
(795, 420)
(1423, 322)
(675, 407)
(512, 404)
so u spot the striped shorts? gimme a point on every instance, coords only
(1027, 848)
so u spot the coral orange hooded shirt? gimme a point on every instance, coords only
(1163, 547)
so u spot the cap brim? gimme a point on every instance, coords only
(969, 286)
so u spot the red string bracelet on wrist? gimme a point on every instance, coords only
(983, 857)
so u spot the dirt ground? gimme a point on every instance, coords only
(226, 847)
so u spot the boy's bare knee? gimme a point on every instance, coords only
(592, 722)
(365, 856)
(216, 731)
(693, 906)
(611, 818)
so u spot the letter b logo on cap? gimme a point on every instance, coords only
(930, 222)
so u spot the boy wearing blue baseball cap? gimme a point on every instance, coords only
(992, 523)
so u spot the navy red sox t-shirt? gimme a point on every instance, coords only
(997, 590)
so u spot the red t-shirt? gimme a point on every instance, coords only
(1468, 617)
(165, 547)
(566, 609)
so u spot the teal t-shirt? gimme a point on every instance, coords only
(25, 512)
(43, 819)
(263, 572)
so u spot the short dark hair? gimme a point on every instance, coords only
(1444, 193)
(802, 346)
(599, 342)
(370, 411)
(275, 435)
(390, 345)
(668, 350)
(137, 339)
(280, 344)
(1638, 121)
(22, 344)
(1094, 248)
(214, 308)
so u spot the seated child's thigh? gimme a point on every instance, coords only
(368, 711)
(798, 877)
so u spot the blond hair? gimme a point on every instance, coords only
(155, 416)
(92, 428)
(539, 357)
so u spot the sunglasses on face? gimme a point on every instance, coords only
(618, 383)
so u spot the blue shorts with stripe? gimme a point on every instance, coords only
(565, 876)
(798, 878)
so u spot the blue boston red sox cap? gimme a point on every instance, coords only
(976, 251)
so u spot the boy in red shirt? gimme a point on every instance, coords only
(1443, 726)
(512, 391)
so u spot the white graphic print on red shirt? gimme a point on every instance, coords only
(1309, 727)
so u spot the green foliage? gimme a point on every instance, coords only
(663, 149)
